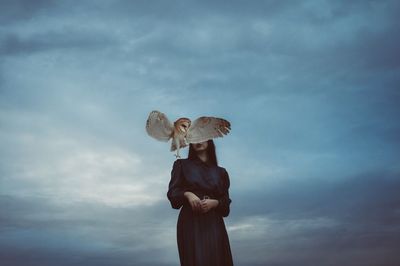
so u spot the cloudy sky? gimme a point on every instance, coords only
(311, 89)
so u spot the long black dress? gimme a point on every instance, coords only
(202, 237)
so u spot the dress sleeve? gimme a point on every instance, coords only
(176, 186)
(224, 201)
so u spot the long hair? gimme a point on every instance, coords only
(211, 154)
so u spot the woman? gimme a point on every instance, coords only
(200, 187)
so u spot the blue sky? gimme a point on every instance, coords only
(311, 89)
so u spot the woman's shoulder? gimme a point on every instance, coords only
(181, 160)
(222, 169)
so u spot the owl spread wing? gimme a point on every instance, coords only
(158, 126)
(205, 128)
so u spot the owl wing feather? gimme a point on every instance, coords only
(159, 127)
(206, 127)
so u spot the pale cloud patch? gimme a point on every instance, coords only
(259, 238)
(67, 167)
(263, 227)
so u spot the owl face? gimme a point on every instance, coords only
(182, 124)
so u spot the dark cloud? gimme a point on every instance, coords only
(12, 44)
(365, 198)
(183, 10)
(36, 256)
(363, 209)
(37, 232)
(16, 10)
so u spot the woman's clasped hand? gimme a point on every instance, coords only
(198, 205)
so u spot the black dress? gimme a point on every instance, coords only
(202, 237)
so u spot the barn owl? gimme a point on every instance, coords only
(183, 131)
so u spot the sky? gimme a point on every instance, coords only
(311, 89)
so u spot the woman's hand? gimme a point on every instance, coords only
(194, 201)
(208, 204)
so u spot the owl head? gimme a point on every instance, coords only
(182, 124)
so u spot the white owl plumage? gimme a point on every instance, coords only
(183, 131)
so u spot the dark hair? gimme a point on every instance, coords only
(211, 154)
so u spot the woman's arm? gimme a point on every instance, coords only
(176, 189)
(224, 201)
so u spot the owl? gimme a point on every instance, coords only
(183, 131)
